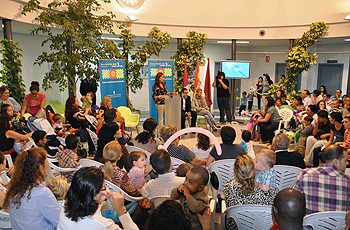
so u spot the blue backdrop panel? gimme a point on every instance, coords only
(112, 81)
(155, 66)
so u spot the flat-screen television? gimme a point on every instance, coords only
(236, 69)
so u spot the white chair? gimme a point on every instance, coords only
(286, 115)
(286, 176)
(133, 148)
(176, 163)
(5, 222)
(249, 217)
(115, 188)
(156, 201)
(56, 168)
(9, 160)
(325, 220)
(4, 176)
(88, 162)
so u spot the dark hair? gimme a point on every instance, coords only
(221, 74)
(339, 90)
(105, 135)
(332, 152)
(183, 90)
(149, 125)
(56, 117)
(277, 98)
(341, 103)
(80, 199)
(328, 95)
(34, 86)
(202, 173)
(308, 118)
(157, 81)
(26, 176)
(160, 161)
(307, 92)
(203, 141)
(316, 92)
(110, 115)
(298, 98)
(183, 169)
(2, 158)
(246, 135)
(168, 216)
(91, 93)
(270, 102)
(135, 156)
(260, 78)
(3, 89)
(4, 124)
(4, 109)
(313, 108)
(228, 134)
(322, 114)
(38, 135)
(283, 95)
(269, 81)
(324, 89)
(337, 117)
(318, 104)
(280, 90)
(71, 141)
(244, 93)
(69, 105)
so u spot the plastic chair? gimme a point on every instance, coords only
(9, 160)
(249, 217)
(115, 188)
(4, 176)
(131, 120)
(133, 148)
(176, 163)
(5, 222)
(286, 115)
(56, 168)
(286, 176)
(88, 162)
(156, 201)
(325, 220)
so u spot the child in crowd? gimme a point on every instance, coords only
(183, 169)
(39, 138)
(59, 187)
(166, 181)
(138, 172)
(247, 144)
(278, 102)
(244, 100)
(87, 102)
(68, 158)
(193, 195)
(284, 99)
(202, 149)
(57, 122)
(250, 100)
(266, 175)
(305, 131)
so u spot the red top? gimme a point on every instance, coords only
(34, 106)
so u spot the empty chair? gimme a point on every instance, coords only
(286, 115)
(249, 217)
(176, 163)
(286, 176)
(133, 148)
(88, 162)
(325, 220)
(131, 120)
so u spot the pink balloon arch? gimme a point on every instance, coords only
(190, 130)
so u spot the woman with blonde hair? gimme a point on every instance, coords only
(106, 104)
(242, 190)
(112, 152)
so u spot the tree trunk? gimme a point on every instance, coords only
(71, 75)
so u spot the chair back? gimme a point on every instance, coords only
(133, 148)
(115, 188)
(4, 177)
(286, 175)
(250, 217)
(9, 160)
(5, 222)
(131, 120)
(223, 169)
(56, 168)
(156, 201)
(88, 162)
(286, 114)
(176, 163)
(325, 220)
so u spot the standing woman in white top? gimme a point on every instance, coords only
(159, 94)
(84, 200)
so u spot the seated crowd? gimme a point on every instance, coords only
(35, 199)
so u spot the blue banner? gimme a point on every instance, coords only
(154, 67)
(112, 81)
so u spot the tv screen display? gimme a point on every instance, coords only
(236, 69)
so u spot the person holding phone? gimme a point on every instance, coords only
(223, 96)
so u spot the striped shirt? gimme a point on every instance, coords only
(325, 189)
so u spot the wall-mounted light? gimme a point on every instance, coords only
(347, 17)
(131, 19)
(229, 42)
(347, 40)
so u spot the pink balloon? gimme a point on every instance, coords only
(190, 130)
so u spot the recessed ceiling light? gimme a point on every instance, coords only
(347, 40)
(347, 17)
(229, 42)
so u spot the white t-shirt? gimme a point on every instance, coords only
(200, 153)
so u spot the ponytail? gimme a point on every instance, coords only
(244, 171)
(109, 170)
(111, 153)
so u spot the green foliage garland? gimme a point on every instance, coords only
(10, 74)
(299, 59)
(191, 49)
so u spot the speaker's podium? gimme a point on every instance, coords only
(173, 110)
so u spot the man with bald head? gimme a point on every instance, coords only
(326, 188)
(289, 209)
